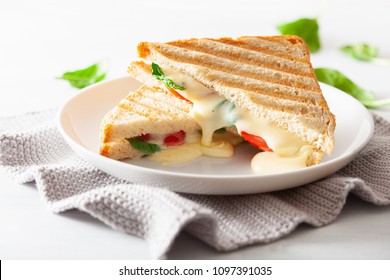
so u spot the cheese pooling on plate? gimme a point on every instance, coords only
(220, 147)
(212, 112)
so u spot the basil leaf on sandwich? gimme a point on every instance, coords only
(159, 74)
(144, 147)
(338, 80)
(306, 28)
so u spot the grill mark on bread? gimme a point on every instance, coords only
(145, 105)
(170, 106)
(266, 88)
(271, 46)
(170, 101)
(252, 57)
(148, 110)
(310, 112)
(289, 45)
(227, 66)
(271, 89)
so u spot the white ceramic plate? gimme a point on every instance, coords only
(79, 120)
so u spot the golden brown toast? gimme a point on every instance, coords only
(272, 77)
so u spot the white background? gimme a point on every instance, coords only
(41, 39)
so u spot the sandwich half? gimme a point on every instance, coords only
(152, 122)
(262, 87)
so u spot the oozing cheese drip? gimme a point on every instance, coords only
(221, 146)
(188, 152)
(178, 155)
(212, 111)
(282, 142)
(269, 163)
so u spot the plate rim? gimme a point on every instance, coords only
(95, 155)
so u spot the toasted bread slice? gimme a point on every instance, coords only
(147, 110)
(142, 72)
(272, 77)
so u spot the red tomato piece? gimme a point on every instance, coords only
(175, 139)
(145, 137)
(178, 95)
(256, 141)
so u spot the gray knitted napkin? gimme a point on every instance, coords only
(31, 149)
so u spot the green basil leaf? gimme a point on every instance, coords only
(85, 77)
(144, 147)
(169, 83)
(362, 51)
(159, 74)
(338, 80)
(306, 28)
(156, 70)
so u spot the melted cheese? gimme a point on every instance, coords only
(280, 141)
(212, 111)
(188, 152)
(218, 149)
(269, 163)
(177, 155)
(227, 136)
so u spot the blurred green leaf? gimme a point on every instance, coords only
(84, 77)
(338, 80)
(361, 51)
(306, 28)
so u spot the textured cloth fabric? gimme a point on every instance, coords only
(31, 149)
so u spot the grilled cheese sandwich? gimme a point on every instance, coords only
(262, 89)
(212, 112)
